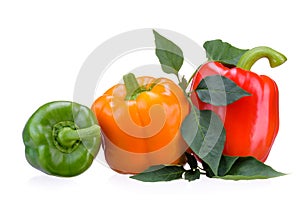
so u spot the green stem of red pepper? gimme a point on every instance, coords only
(250, 57)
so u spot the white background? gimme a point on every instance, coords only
(44, 44)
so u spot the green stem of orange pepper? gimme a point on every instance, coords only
(133, 89)
(131, 86)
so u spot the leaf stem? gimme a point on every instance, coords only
(177, 75)
(191, 78)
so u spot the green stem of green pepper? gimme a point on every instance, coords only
(67, 136)
(250, 57)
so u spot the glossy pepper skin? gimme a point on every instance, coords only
(141, 128)
(61, 138)
(252, 122)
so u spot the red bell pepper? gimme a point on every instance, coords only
(252, 122)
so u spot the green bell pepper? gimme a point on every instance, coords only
(62, 138)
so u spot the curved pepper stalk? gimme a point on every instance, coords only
(251, 56)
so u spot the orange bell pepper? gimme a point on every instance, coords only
(140, 122)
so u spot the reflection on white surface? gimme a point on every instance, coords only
(47, 181)
(203, 188)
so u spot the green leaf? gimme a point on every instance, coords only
(248, 168)
(191, 160)
(208, 172)
(169, 54)
(217, 50)
(160, 173)
(219, 90)
(203, 131)
(192, 175)
(226, 163)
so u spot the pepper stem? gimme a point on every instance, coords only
(131, 86)
(250, 57)
(67, 137)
